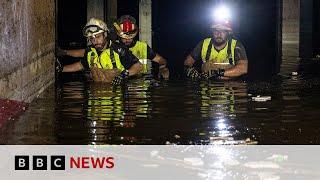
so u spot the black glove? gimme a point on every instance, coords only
(120, 78)
(119, 48)
(205, 76)
(193, 73)
(217, 73)
(112, 35)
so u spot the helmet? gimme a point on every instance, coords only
(94, 26)
(222, 25)
(128, 27)
(221, 18)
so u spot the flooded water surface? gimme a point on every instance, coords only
(148, 111)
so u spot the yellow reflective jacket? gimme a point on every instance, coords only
(218, 57)
(140, 50)
(103, 61)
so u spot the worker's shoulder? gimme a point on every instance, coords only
(238, 44)
(206, 39)
(141, 42)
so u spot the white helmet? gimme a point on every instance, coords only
(94, 26)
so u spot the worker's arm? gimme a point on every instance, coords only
(160, 60)
(241, 66)
(239, 69)
(77, 66)
(76, 52)
(163, 70)
(189, 61)
(135, 69)
(72, 53)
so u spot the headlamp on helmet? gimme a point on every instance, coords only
(222, 18)
(93, 27)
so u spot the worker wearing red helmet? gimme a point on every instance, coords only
(127, 31)
(220, 56)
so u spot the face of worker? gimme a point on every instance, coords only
(220, 36)
(98, 41)
(127, 42)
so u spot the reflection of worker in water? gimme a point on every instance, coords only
(110, 109)
(127, 30)
(105, 103)
(220, 56)
(220, 103)
(107, 61)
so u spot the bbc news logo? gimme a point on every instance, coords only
(59, 162)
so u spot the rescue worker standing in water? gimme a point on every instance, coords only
(220, 56)
(104, 59)
(127, 30)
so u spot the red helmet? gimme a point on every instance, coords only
(128, 27)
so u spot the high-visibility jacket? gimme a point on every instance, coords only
(104, 61)
(221, 56)
(140, 50)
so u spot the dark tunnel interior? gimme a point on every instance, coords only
(179, 25)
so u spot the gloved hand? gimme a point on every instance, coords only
(193, 73)
(60, 52)
(112, 34)
(119, 48)
(217, 73)
(120, 78)
(205, 76)
(164, 72)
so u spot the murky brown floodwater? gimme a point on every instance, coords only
(179, 112)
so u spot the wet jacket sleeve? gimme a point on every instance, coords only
(128, 60)
(196, 52)
(240, 52)
(150, 53)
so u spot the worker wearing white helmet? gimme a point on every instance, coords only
(220, 56)
(107, 61)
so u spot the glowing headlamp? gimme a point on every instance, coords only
(221, 14)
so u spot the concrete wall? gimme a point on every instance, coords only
(27, 30)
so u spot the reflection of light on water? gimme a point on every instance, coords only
(221, 126)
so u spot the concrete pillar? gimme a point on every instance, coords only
(27, 46)
(96, 8)
(291, 21)
(112, 10)
(145, 21)
(290, 35)
(306, 29)
(290, 28)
